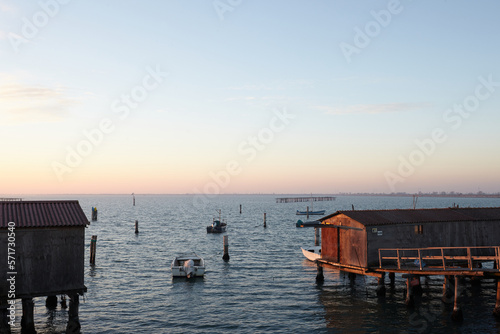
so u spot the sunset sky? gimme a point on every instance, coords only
(249, 96)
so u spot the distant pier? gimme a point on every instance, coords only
(304, 199)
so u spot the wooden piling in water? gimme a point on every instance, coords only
(496, 311)
(240, 208)
(409, 301)
(457, 314)
(93, 246)
(447, 291)
(316, 236)
(73, 325)
(136, 227)
(225, 257)
(319, 275)
(94, 214)
(381, 285)
(51, 302)
(265, 219)
(27, 320)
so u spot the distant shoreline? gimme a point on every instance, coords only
(423, 195)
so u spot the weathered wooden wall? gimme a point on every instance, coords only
(435, 234)
(48, 260)
(352, 242)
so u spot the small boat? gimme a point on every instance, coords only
(311, 213)
(218, 226)
(188, 265)
(310, 223)
(312, 253)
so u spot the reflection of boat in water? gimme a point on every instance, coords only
(188, 265)
(312, 253)
(217, 225)
(311, 213)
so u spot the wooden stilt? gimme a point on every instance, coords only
(457, 314)
(409, 301)
(381, 286)
(319, 276)
(73, 325)
(225, 257)
(392, 278)
(496, 311)
(27, 321)
(447, 291)
(93, 247)
(63, 302)
(316, 236)
(51, 302)
(352, 278)
(4, 318)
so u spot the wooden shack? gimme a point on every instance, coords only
(354, 237)
(46, 242)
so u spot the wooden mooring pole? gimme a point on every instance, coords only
(265, 219)
(240, 208)
(27, 320)
(319, 275)
(94, 214)
(496, 311)
(93, 246)
(225, 257)
(457, 314)
(316, 236)
(73, 325)
(136, 227)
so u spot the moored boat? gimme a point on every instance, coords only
(218, 226)
(188, 265)
(312, 253)
(311, 213)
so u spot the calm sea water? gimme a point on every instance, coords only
(266, 287)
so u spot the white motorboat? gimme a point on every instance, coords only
(312, 253)
(188, 265)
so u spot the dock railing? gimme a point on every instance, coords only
(441, 258)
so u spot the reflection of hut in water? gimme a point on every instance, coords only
(44, 240)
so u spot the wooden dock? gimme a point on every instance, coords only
(305, 199)
(453, 263)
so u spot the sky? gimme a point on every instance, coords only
(240, 96)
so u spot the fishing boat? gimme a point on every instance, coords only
(311, 213)
(188, 265)
(312, 253)
(218, 226)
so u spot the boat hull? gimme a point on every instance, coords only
(311, 213)
(312, 253)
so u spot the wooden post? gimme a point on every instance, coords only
(392, 279)
(225, 257)
(27, 321)
(94, 214)
(4, 318)
(316, 236)
(409, 301)
(319, 276)
(447, 292)
(136, 227)
(457, 315)
(240, 208)
(381, 285)
(265, 219)
(51, 302)
(73, 325)
(496, 311)
(133, 199)
(93, 247)
(307, 212)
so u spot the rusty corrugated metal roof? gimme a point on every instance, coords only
(42, 214)
(409, 216)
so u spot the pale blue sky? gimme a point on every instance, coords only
(353, 120)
